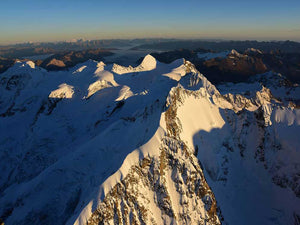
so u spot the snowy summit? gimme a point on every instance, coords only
(152, 144)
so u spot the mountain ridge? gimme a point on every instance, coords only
(153, 128)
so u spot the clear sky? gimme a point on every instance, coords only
(55, 20)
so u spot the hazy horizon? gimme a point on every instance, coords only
(141, 38)
(50, 21)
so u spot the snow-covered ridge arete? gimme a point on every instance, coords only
(115, 145)
(224, 54)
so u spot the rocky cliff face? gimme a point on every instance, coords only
(169, 188)
(153, 144)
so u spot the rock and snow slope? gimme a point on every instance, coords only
(153, 144)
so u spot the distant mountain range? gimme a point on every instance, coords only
(266, 46)
(30, 49)
(217, 60)
(61, 61)
(232, 66)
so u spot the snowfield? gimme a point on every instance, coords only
(152, 144)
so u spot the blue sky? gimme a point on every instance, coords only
(46, 20)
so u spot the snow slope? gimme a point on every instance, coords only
(224, 54)
(212, 55)
(156, 143)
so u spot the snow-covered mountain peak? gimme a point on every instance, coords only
(19, 67)
(149, 62)
(222, 55)
(152, 144)
(253, 51)
(30, 64)
(233, 52)
(91, 65)
(212, 55)
(25, 64)
(64, 91)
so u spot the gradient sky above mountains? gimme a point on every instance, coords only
(46, 20)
